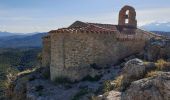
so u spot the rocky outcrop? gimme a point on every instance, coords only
(133, 70)
(153, 88)
(37, 86)
(113, 95)
(156, 49)
(134, 85)
(18, 87)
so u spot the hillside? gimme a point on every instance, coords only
(15, 60)
(20, 41)
(162, 33)
(4, 34)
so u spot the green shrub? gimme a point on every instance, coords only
(62, 80)
(80, 94)
(93, 98)
(46, 75)
(92, 79)
(107, 86)
(39, 88)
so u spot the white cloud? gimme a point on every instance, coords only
(153, 15)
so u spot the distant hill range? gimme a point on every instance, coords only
(167, 34)
(156, 26)
(21, 41)
(4, 34)
(159, 28)
(16, 40)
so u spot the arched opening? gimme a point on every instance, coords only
(127, 16)
(127, 12)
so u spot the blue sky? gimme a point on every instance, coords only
(26, 16)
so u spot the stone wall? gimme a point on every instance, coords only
(46, 51)
(73, 53)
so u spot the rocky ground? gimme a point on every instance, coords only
(35, 86)
(147, 78)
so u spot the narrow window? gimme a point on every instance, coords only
(126, 21)
(127, 17)
(127, 12)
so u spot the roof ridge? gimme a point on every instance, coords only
(101, 27)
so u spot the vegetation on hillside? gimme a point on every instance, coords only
(12, 60)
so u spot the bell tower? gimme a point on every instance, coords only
(127, 17)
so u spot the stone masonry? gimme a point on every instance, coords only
(71, 52)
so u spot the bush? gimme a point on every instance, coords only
(63, 80)
(121, 83)
(107, 86)
(93, 98)
(80, 94)
(46, 75)
(95, 66)
(39, 88)
(92, 79)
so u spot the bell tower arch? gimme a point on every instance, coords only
(127, 17)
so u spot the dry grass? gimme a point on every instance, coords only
(107, 86)
(162, 65)
(93, 98)
(145, 62)
(118, 82)
(151, 74)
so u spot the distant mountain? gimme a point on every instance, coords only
(165, 27)
(20, 41)
(3, 34)
(167, 34)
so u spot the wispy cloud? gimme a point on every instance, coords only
(36, 20)
(153, 15)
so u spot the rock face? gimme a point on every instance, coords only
(114, 95)
(156, 49)
(18, 88)
(153, 88)
(37, 86)
(135, 69)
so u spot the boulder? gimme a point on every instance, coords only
(19, 91)
(152, 88)
(135, 69)
(111, 95)
(157, 49)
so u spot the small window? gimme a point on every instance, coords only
(127, 12)
(126, 21)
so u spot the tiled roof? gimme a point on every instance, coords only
(92, 27)
(97, 25)
(88, 27)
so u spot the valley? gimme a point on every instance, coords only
(14, 60)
